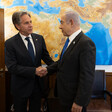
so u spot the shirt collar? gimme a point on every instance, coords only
(23, 37)
(74, 35)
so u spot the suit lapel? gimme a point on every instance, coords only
(73, 44)
(23, 48)
(36, 44)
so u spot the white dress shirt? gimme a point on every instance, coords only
(73, 36)
(26, 42)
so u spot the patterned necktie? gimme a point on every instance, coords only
(30, 49)
(64, 48)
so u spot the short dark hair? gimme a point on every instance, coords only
(16, 17)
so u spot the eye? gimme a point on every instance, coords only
(61, 22)
(26, 22)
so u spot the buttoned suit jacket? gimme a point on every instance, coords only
(20, 64)
(75, 71)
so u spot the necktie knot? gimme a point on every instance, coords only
(67, 41)
(27, 38)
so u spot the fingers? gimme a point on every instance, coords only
(41, 71)
(76, 108)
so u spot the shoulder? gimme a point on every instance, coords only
(12, 39)
(86, 41)
(36, 35)
(85, 38)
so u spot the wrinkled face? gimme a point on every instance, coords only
(25, 27)
(65, 26)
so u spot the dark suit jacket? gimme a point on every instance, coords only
(75, 72)
(20, 64)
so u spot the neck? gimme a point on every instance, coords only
(24, 34)
(74, 30)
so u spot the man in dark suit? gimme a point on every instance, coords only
(23, 54)
(76, 66)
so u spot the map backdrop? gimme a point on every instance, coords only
(95, 16)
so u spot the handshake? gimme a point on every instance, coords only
(41, 71)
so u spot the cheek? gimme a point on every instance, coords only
(63, 27)
(25, 28)
(66, 28)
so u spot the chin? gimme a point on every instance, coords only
(30, 32)
(64, 34)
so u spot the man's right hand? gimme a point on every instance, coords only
(41, 71)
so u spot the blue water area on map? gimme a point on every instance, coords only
(29, 2)
(56, 55)
(36, 8)
(59, 20)
(81, 3)
(103, 41)
(17, 3)
(1, 6)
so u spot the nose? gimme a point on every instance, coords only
(30, 24)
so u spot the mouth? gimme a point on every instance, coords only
(30, 29)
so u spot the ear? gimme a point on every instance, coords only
(71, 22)
(17, 26)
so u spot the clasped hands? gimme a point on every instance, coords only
(41, 71)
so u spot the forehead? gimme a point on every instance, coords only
(25, 17)
(63, 18)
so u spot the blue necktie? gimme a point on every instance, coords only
(30, 49)
(64, 48)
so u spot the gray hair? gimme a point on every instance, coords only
(74, 16)
(16, 17)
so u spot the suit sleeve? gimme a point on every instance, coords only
(52, 68)
(12, 64)
(86, 76)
